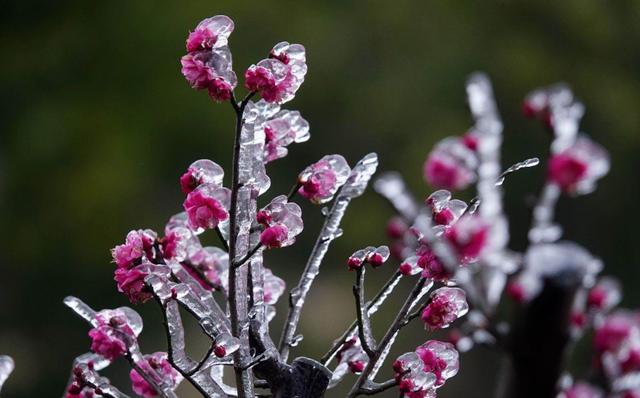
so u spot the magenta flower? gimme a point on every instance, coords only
(576, 169)
(446, 305)
(282, 221)
(614, 330)
(211, 32)
(450, 165)
(411, 377)
(131, 283)
(279, 77)
(432, 268)
(211, 70)
(211, 263)
(468, 236)
(605, 295)
(207, 206)
(439, 358)
(114, 332)
(375, 256)
(158, 368)
(285, 128)
(445, 210)
(203, 171)
(320, 181)
(138, 245)
(352, 355)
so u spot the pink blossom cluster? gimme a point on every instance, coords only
(452, 163)
(114, 332)
(320, 181)
(282, 222)
(157, 367)
(445, 306)
(577, 168)
(421, 372)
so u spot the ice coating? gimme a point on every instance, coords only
(203, 171)
(445, 211)
(284, 128)
(450, 165)
(445, 306)
(320, 181)
(210, 32)
(207, 206)
(6, 367)
(282, 221)
(210, 70)
(252, 148)
(439, 358)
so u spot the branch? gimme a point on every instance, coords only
(354, 187)
(364, 323)
(372, 308)
(372, 388)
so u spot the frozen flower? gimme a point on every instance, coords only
(605, 295)
(614, 330)
(439, 358)
(114, 331)
(273, 287)
(138, 245)
(446, 305)
(282, 221)
(131, 283)
(320, 181)
(471, 140)
(450, 165)
(396, 228)
(211, 70)
(178, 243)
(225, 344)
(577, 168)
(410, 374)
(279, 77)
(468, 237)
(284, 128)
(410, 266)
(211, 32)
(157, 367)
(352, 354)
(203, 171)
(524, 287)
(376, 256)
(581, 390)
(432, 267)
(210, 267)
(207, 205)
(445, 210)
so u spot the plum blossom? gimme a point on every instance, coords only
(279, 77)
(225, 344)
(321, 180)
(576, 169)
(352, 354)
(450, 165)
(445, 210)
(285, 128)
(211, 70)
(375, 256)
(114, 331)
(131, 281)
(138, 246)
(282, 221)
(410, 376)
(273, 287)
(203, 171)
(605, 295)
(207, 206)
(210, 32)
(158, 368)
(468, 237)
(439, 358)
(210, 267)
(445, 306)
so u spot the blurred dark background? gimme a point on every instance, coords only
(97, 124)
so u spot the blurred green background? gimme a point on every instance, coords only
(97, 124)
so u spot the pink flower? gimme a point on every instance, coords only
(158, 368)
(138, 245)
(207, 206)
(468, 237)
(614, 330)
(283, 222)
(211, 70)
(211, 263)
(211, 32)
(396, 228)
(432, 268)
(114, 331)
(352, 355)
(447, 304)
(131, 283)
(450, 165)
(409, 374)
(284, 128)
(439, 358)
(576, 169)
(321, 180)
(605, 295)
(375, 256)
(200, 172)
(445, 210)
(107, 344)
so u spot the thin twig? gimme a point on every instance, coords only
(223, 241)
(376, 388)
(364, 323)
(293, 191)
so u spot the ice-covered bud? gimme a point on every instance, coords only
(211, 263)
(536, 105)
(114, 331)
(577, 168)
(468, 237)
(378, 256)
(445, 306)
(524, 287)
(290, 54)
(605, 295)
(445, 211)
(157, 367)
(211, 70)
(273, 287)
(431, 266)
(439, 358)
(358, 362)
(211, 32)
(396, 228)
(410, 266)
(356, 260)
(203, 171)
(582, 390)
(207, 206)
(138, 245)
(225, 344)
(450, 165)
(352, 354)
(471, 140)
(178, 243)
(285, 128)
(283, 222)
(614, 330)
(320, 181)
(409, 374)
(131, 283)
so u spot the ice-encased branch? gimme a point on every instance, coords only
(354, 187)
(364, 324)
